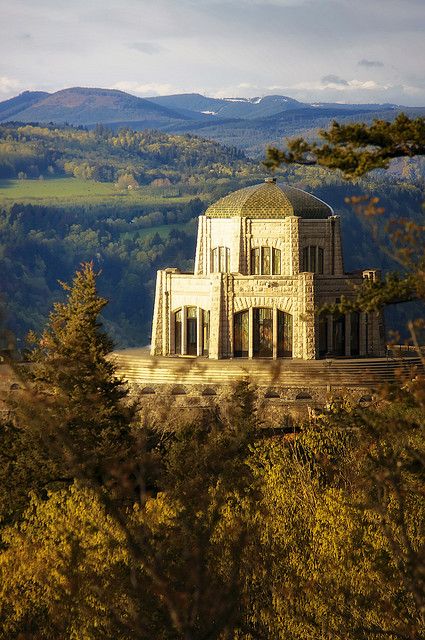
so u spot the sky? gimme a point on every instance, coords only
(311, 50)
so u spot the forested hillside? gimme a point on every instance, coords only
(129, 201)
(248, 123)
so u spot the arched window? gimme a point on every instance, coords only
(313, 259)
(265, 261)
(220, 260)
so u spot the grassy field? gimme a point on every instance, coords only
(164, 229)
(58, 190)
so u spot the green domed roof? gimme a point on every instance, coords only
(269, 200)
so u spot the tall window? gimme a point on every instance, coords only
(205, 332)
(255, 261)
(313, 259)
(241, 334)
(178, 332)
(220, 260)
(339, 335)
(284, 334)
(265, 261)
(355, 333)
(276, 262)
(263, 333)
(323, 335)
(191, 331)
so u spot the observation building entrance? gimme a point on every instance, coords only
(262, 333)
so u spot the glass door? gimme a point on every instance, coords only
(191, 332)
(241, 335)
(284, 334)
(263, 333)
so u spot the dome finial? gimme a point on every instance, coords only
(270, 180)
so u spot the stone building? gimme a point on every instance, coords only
(267, 258)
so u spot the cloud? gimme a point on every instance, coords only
(335, 83)
(370, 63)
(148, 89)
(8, 85)
(332, 79)
(147, 47)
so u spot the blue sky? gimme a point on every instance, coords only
(315, 50)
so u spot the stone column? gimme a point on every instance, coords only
(294, 244)
(199, 254)
(156, 341)
(165, 320)
(307, 281)
(215, 316)
(248, 236)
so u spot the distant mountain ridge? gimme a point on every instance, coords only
(247, 123)
(9, 108)
(229, 107)
(85, 106)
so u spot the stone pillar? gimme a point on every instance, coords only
(336, 260)
(156, 341)
(248, 236)
(184, 331)
(215, 316)
(307, 284)
(199, 255)
(224, 317)
(294, 244)
(165, 320)
(208, 268)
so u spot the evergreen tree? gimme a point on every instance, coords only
(72, 417)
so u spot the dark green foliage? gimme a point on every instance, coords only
(356, 148)
(70, 415)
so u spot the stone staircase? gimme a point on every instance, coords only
(139, 368)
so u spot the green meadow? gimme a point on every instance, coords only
(76, 190)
